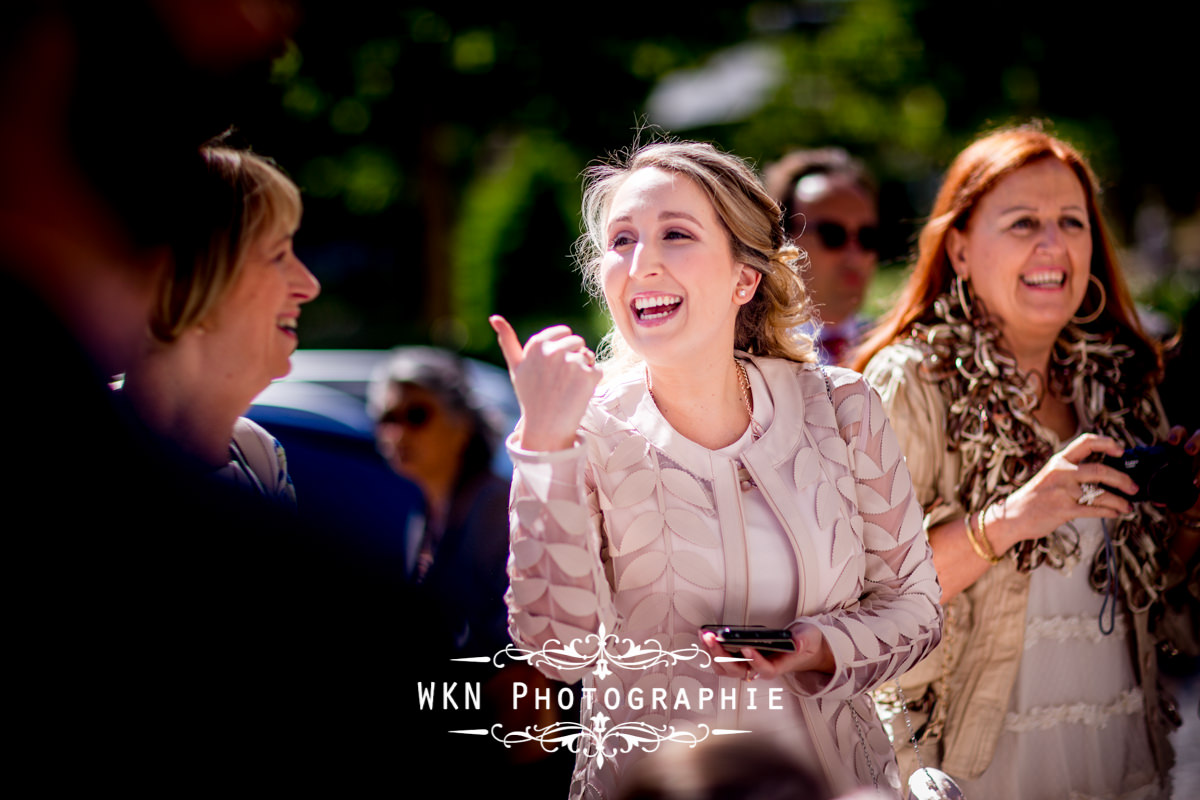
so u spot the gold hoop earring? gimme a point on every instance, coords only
(961, 286)
(1095, 315)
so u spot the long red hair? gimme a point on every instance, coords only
(972, 175)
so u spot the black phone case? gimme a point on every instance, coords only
(768, 640)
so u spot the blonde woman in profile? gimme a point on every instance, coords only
(226, 321)
(718, 476)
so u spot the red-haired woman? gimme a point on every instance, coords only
(1012, 363)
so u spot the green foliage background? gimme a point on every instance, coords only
(440, 147)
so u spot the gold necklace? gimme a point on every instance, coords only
(756, 430)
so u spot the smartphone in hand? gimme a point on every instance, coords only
(765, 640)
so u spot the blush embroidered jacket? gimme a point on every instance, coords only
(642, 533)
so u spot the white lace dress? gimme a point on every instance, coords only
(1076, 724)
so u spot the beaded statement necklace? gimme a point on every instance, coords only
(991, 424)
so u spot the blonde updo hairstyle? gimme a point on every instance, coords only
(236, 198)
(767, 324)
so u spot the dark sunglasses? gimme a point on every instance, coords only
(415, 416)
(834, 236)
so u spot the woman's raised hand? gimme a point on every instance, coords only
(1067, 487)
(554, 376)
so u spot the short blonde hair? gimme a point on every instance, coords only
(768, 324)
(238, 197)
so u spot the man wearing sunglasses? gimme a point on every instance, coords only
(830, 207)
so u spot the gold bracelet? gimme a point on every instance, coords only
(984, 549)
(971, 537)
(984, 542)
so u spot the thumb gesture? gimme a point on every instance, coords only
(554, 376)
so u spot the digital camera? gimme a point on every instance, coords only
(1163, 474)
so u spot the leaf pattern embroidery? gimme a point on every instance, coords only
(620, 534)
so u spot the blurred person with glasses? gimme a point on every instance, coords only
(432, 430)
(830, 208)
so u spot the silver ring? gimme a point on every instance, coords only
(1090, 492)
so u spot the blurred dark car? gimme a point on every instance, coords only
(318, 413)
